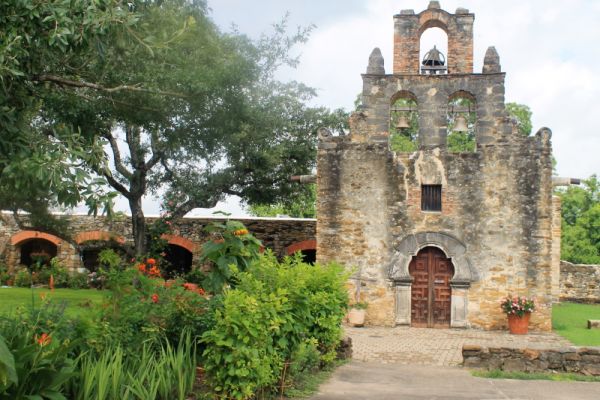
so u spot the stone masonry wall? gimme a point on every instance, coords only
(574, 359)
(275, 233)
(579, 282)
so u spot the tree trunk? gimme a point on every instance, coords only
(138, 223)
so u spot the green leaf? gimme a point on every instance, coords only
(8, 373)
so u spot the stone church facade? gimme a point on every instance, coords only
(436, 238)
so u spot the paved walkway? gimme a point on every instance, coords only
(376, 381)
(418, 346)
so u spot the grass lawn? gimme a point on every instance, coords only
(78, 301)
(570, 320)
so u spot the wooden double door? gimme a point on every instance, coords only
(431, 294)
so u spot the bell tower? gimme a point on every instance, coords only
(408, 28)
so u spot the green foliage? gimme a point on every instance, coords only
(140, 308)
(167, 373)
(231, 250)
(461, 142)
(23, 278)
(276, 314)
(302, 205)
(580, 238)
(38, 38)
(41, 362)
(553, 376)
(522, 115)
(405, 140)
(109, 259)
(8, 372)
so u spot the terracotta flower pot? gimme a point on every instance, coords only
(356, 317)
(518, 325)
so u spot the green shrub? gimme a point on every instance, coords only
(275, 315)
(78, 280)
(23, 278)
(59, 272)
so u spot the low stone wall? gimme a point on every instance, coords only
(579, 282)
(573, 359)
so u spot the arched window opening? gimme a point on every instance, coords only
(309, 256)
(433, 50)
(462, 118)
(404, 123)
(36, 251)
(90, 253)
(178, 261)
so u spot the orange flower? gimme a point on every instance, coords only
(240, 232)
(151, 261)
(44, 339)
(155, 298)
(154, 271)
(142, 268)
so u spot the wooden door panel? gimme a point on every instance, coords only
(431, 294)
(419, 269)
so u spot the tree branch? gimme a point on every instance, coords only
(58, 80)
(119, 166)
(157, 154)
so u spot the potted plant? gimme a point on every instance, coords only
(518, 309)
(356, 315)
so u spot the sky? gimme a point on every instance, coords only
(548, 48)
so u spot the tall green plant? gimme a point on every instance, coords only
(231, 250)
(165, 374)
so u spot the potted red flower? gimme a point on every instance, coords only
(518, 309)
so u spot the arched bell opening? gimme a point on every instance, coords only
(37, 252)
(433, 48)
(461, 122)
(178, 261)
(404, 122)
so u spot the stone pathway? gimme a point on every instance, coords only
(418, 346)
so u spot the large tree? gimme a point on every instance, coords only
(181, 109)
(580, 241)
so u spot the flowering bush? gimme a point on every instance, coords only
(517, 305)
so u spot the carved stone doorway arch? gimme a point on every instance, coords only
(464, 274)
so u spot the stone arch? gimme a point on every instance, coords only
(308, 249)
(465, 94)
(44, 245)
(97, 235)
(20, 237)
(299, 246)
(180, 241)
(464, 273)
(403, 94)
